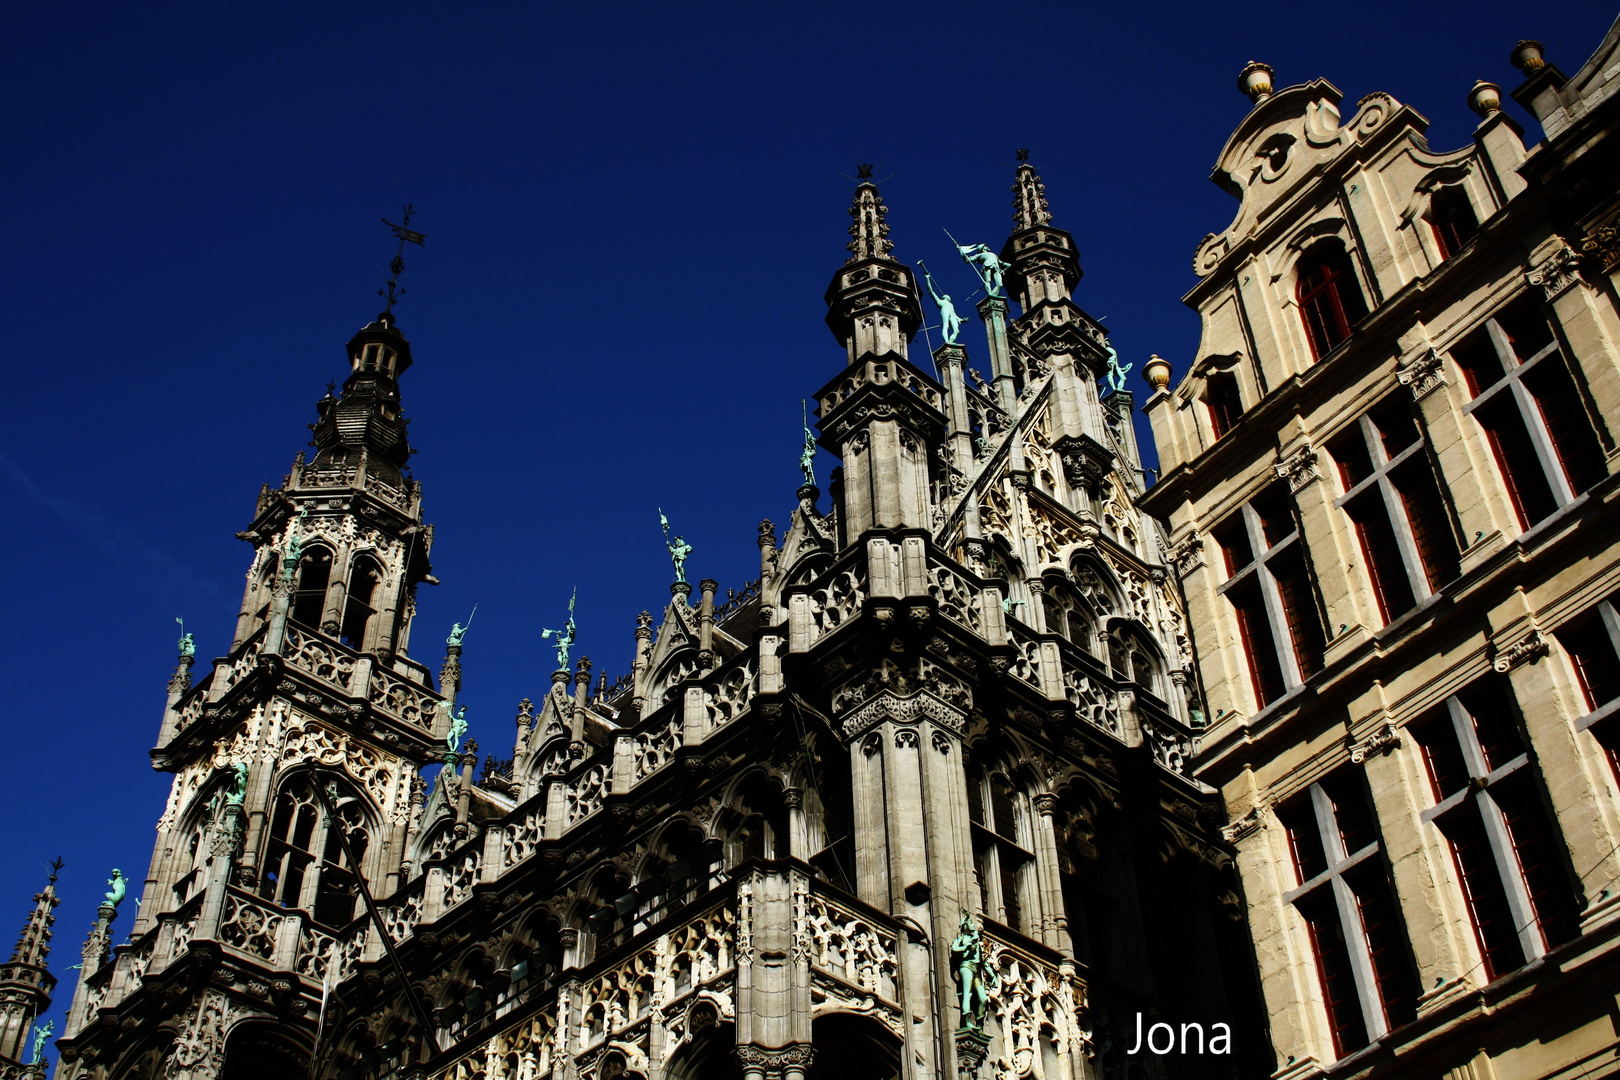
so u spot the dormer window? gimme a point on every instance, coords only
(1330, 300)
(1451, 216)
(1224, 402)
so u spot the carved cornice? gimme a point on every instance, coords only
(1529, 647)
(1247, 825)
(908, 710)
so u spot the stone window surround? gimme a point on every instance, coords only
(1341, 864)
(1380, 477)
(1512, 382)
(1609, 616)
(1481, 779)
(1270, 593)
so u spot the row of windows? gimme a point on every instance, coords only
(1489, 807)
(1330, 299)
(1545, 444)
(309, 597)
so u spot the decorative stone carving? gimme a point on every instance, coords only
(1245, 826)
(1187, 555)
(1299, 468)
(1532, 645)
(199, 1051)
(1424, 373)
(1602, 247)
(1558, 272)
(1381, 741)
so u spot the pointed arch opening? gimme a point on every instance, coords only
(309, 595)
(360, 609)
(304, 863)
(852, 1047)
(261, 1051)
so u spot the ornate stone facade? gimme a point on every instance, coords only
(1397, 443)
(961, 688)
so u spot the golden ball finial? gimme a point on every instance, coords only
(1157, 372)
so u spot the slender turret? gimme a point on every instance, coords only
(25, 984)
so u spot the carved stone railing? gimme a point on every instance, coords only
(852, 955)
(616, 1004)
(1089, 690)
(585, 792)
(191, 709)
(387, 492)
(735, 601)
(252, 928)
(1037, 1014)
(415, 705)
(402, 911)
(311, 654)
(655, 747)
(727, 693)
(245, 660)
(834, 601)
(1026, 659)
(956, 598)
(320, 953)
(522, 836)
(461, 874)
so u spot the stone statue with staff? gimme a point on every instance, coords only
(459, 631)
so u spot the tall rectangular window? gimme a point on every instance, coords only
(1390, 494)
(1592, 642)
(1508, 854)
(1363, 959)
(1270, 592)
(1451, 215)
(1526, 400)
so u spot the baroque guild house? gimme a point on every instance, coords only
(915, 803)
(1389, 476)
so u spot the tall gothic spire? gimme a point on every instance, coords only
(25, 984)
(34, 944)
(869, 233)
(1029, 197)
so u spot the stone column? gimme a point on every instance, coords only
(1590, 328)
(952, 359)
(708, 586)
(993, 310)
(1054, 918)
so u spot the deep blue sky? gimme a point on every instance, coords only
(632, 213)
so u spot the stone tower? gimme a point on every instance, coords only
(26, 985)
(940, 740)
(317, 693)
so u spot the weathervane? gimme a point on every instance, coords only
(863, 172)
(397, 267)
(1023, 153)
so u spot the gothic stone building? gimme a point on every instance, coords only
(961, 690)
(1390, 475)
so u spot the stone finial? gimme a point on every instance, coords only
(1527, 56)
(1255, 80)
(1157, 372)
(1029, 197)
(870, 234)
(1485, 98)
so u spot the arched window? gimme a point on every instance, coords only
(358, 612)
(682, 868)
(309, 599)
(1001, 847)
(1330, 300)
(1224, 403)
(1451, 216)
(304, 864)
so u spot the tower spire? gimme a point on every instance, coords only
(1029, 196)
(391, 292)
(25, 984)
(869, 233)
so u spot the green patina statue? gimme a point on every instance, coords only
(1116, 372)
(119, 885)
(950, 323)
(458, 727)
(986, 263)
(188, 644)
(41, 1035)
(807, 456)
(239, 779)
(458, 631)
(679, 549)
(974, 976)
(565, 636)
(293, 553)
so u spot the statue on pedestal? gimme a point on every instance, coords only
(458, 727)
(972, 973)
(119, 885)
(565, 636)
(807, 457)
(679, 549)
(458, 631)
(1116, 372)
